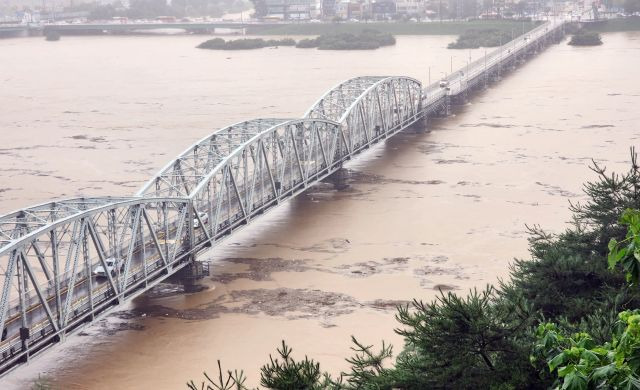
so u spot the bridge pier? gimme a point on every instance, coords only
(423, 124)
(447, 105)
(340, 179)
(460, 99)
(189, 275)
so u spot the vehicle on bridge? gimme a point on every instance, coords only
(112, 264)
(204, 217)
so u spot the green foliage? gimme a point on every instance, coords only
(567, 275)
(490, 339)
(52, 36)
(368, 371)
(608, 197)
(244, 44)
(581, 364)
(281, 373)
(585, 38)
(288, 374)
(366, 40)
(473, 39)
(627, 252)
(477, 341)
(231, 381)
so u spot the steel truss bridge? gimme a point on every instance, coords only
(50, 253)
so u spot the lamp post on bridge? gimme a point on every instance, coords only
(500, 60)
(486, 76)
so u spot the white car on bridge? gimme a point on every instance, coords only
(204, 217)
(112, 264)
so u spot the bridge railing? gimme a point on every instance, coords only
(144, 237)
(56, 258)
(470, 75)
(263, 171)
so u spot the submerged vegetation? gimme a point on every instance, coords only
(52, 35)
(567, 318)
(365, 40)
(585, 38)
(244, 44)
(473, 39)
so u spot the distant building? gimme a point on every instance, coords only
(351, 9)
(291, 9)
(328, 8)
(467, 8)
(383, 9)
(25, 17)
(410, 7)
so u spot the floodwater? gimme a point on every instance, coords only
(442, 208)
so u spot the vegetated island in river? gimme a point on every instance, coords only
(473, 39)
(585, 38)
(52, 36)
(365, 40)
(244, 44)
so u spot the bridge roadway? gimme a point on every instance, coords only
(127, 27)
(49, 252)
(88, 28)
(100, 28)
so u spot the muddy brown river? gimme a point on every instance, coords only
(437, 208)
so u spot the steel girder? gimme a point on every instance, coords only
(336, 101)
(48, 252)
(370, 108)
(48, 287)
(180, 176)
(20, 222)
(269, 168)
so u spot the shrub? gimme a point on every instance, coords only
(366, 40)
(244, 44)
(586, 38)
